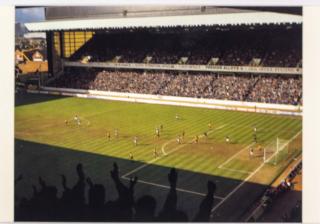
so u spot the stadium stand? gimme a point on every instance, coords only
(241, 40)
(261, 52)
(261, 46)
(245, 87)
(199, 46)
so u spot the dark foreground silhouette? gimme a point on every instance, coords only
(45, 205)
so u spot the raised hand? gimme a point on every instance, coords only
(126, 193)
(89, 181)
(133, 182)
(42, 182)
(80, 171)
(211, 187)
(64, 181)
(205, 207)
(115, 172)
(173, 177)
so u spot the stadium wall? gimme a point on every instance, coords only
(280, 109)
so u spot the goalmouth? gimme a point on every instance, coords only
(280, 150)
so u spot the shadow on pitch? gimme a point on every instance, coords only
(34, 160)
(32, 98)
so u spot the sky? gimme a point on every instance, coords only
(33, 14)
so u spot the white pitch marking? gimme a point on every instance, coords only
(168, 187)
(150, 162)
(245, 180)
(247, 219)
(164, 145)
(234, 170)
(231, 158)
(172, 151)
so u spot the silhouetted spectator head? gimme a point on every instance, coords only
(180, 216)
(173, 177)
(211, 186)
(97, 195)
(145, 208)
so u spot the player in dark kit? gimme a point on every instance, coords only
(255, 138)
(196, 140)
(131, 156)
(255, 135)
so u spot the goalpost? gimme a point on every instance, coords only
(276, 151)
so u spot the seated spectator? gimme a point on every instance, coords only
(242, 87)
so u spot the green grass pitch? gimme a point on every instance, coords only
(45, 145)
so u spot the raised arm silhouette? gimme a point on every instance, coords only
(169, 211)
(203, 214)
(123, 207)
(44, 205)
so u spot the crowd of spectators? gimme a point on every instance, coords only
(233, 87)
(187, 85)
(286, 185)
(272, 193)
(272, 89)
(45, 205)
(243, 87)
(273, 47)
(295, 215)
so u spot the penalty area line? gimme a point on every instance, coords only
(201, 136)
(245, 180)
(172, 151)
(232, 157)
(168, 187)
(234, 170)
(221, 166)
(149, 163)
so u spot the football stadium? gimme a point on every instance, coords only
(162, 113)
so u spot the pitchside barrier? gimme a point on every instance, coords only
(262, 206)
(280, 109)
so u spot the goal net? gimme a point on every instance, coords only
(276, 151)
